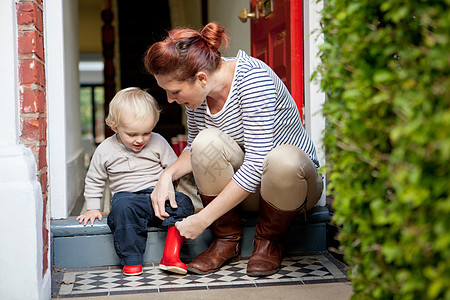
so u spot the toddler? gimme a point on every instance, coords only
(132, 160)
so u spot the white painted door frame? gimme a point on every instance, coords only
(56, 107)
(65, 153)
(315, 98)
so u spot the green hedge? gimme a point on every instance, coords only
(386, 74)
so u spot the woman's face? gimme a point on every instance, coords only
(192, 94)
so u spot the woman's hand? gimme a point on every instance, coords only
(90, 215)
(163, 191)
(191, 227)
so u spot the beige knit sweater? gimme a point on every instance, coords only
(125, 169)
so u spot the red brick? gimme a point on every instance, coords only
(30, 129)
(31, 42)
(31, 71)
(44, 222)
(32, 100)
(43, 129)
(43, 181)
(33, 129)
(28, 13)
(44, 235)
(42, 157)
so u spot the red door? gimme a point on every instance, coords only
(277, 39)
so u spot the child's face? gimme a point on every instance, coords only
(134, 134)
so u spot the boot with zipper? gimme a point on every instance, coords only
(226, 246)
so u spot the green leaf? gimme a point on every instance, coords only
(382, 76)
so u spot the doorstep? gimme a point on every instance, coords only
(78, 246)
(296, 271)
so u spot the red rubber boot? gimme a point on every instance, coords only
(171, 259)
(132, 270)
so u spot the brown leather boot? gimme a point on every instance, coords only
(268, 250)
(226, 245)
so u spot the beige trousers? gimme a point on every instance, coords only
(289, 176)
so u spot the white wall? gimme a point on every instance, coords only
(21, 255)
(75, 152)
(71, 74)
(66, 164)
(225, 13)
(21, 204)
(9, 122)
(314, 97)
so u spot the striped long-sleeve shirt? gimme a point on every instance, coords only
(259, 114)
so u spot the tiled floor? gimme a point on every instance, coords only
(299, 270)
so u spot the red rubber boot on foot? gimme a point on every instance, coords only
(171, 257)
(132, 270)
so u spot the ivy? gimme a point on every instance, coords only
(385, 69)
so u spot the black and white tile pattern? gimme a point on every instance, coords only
(110, 281)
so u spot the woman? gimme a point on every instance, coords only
(244, 136)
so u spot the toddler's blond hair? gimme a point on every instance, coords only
(135, 101)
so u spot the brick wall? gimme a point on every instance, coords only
(33, 111)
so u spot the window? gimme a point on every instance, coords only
(92, 113)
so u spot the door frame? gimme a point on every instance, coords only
(314, 97)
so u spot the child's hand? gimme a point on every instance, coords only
(163, 191)
(90, 215)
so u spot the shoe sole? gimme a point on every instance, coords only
(261, 274)
(132, 274)
(229, 261)
(198, 272)
(176, 270)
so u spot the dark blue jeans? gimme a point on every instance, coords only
(130, 216)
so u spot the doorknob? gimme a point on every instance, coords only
(262, 9)
(243, 15)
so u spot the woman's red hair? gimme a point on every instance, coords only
(184, 52)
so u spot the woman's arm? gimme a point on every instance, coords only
(192, 226)
(164, 188)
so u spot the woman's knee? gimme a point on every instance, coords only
(289, 177)
(215, 157)
(205, 139)
(206, 148)
(286, 161)
(212, 143)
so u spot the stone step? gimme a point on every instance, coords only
(76, 246)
